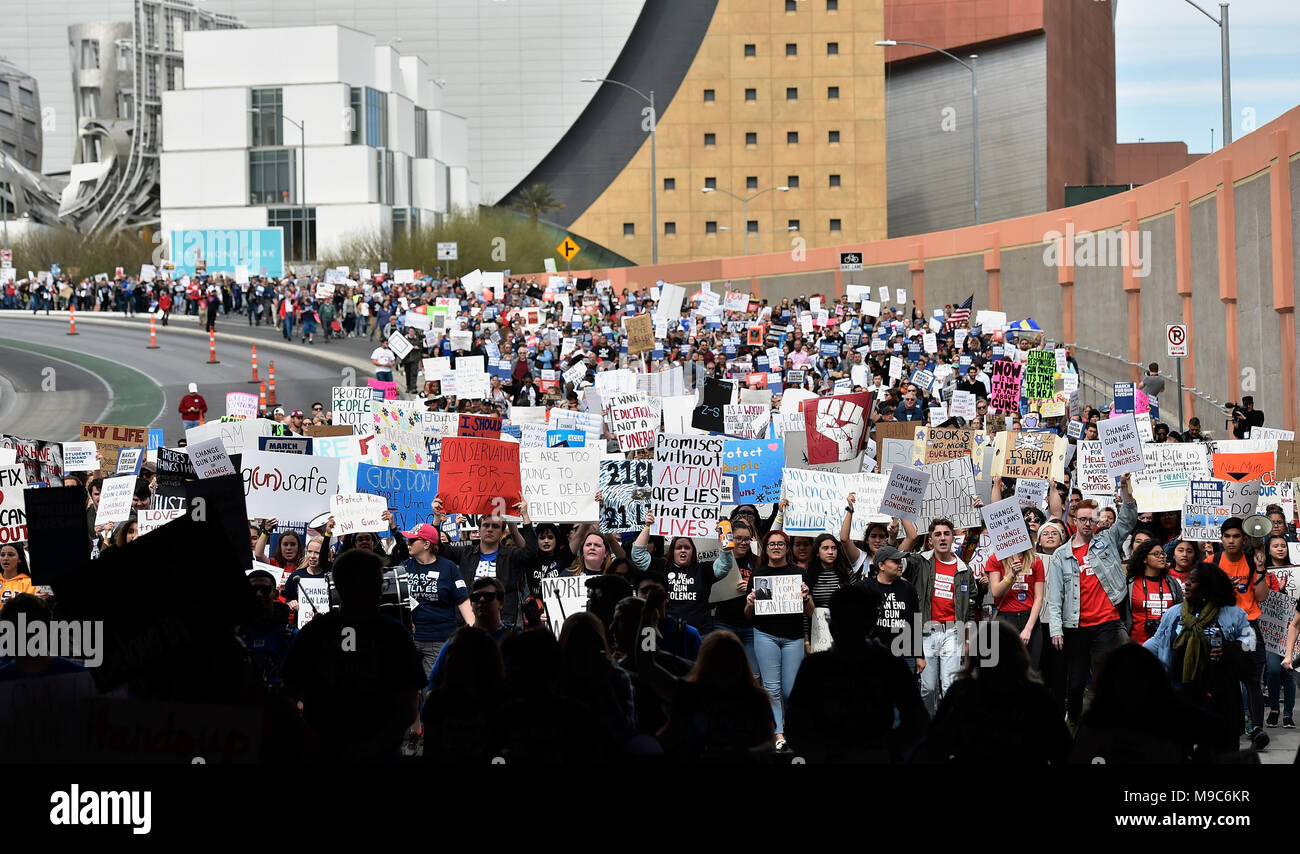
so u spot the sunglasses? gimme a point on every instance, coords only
(263, 590)
(484, 597)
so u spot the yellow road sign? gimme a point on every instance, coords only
(567, 249)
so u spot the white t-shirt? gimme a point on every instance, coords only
(385, 357)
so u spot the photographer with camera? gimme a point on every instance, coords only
(1151, 590)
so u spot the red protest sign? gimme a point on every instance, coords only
(481, 426)
(479, 476)
(836, 426)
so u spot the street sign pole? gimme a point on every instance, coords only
(1181, 424)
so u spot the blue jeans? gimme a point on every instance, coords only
(746, 635)
(189, 425)
(288, 328)
(778, 662)
(1278, 679)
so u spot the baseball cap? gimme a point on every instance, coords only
(297, 413)
(422, 532)
(885, 553)
(279, 410)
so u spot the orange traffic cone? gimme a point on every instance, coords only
(72, 319)
(271, 380)
(254, 380)
(153, 333)
(212, 347)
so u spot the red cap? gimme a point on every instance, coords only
(423, 532)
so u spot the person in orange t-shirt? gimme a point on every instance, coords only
(1251, 586)
(14, 575)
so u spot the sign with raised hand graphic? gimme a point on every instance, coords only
(836, 426)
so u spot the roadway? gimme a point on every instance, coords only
(107, 373)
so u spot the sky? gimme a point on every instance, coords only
(1167, 85)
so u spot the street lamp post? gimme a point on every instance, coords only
(1225, 60)
(744, 204)
(974, 108)
(302, 159)
(654, 189)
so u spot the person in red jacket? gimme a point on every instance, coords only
(165, 304)
(193, 407)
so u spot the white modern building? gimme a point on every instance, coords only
(321, 123)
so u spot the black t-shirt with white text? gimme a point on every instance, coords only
(898, 607)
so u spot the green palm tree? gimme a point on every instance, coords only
(536, 200)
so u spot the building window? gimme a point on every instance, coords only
(124, 56)
(751, 182)
(6, 119)
(792, 225)
(629, 229)
(291, 220)
(29, 129)
(399, 222)
(4, 89)
(390, 179)
(750, 50)
(384, 176)
(751, 138)
(670, 229)
(670, 184)
(26, 98)
(792, 181)
(421, 132)
(376, 118)
(268, 130)
(125, 104)
(791, 5)
(751, 94)
(355, 101)
(9, 148)
(89, 54)
(710, 183)
(29, 159)
(751, 226)
(270, 177)
(791, 49)
(833, 93)
(835, 225)
(711, 227)
(832, 48)
(833, 137)
(835, 180)
(792, 93)
(792, 137)
(710, 139)
(709, 96)
(832, 5)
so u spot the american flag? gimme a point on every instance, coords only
(960, 314)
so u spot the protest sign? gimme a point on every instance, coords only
(562, 598)
(1006, 527)
(482, 426)
(1040, 375)
(817, 500)
(399, 430)
(1005, 375)
(963, 405)
(949, 490)
(837, 427)
(708, 415)
(79, 456)
(561, 439)
(148, 520)
(241, 404)
(640, 334)
(936, 444)
(351, 405)
(1021, 454)
(632, 421)
(209, 459)
(753, 468)
(358, 511)
(1121, 444)
(904, 492)
(13, 509)
(746, 420)
(300, 445)
(129, 460)
(1242, 460)
(383, 389)
(1031, 492)
(1162, 485)
(687, 485)
(407, 493)
(287, 486)
(115, 500)
(778, 594)
(1276, 612)
(625, 494)
(313, 600)
(1092, 477)
(479, 476)
(1210, 502)
(560, 484)
(1125, 396)
(110, 438)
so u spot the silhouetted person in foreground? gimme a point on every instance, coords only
(458, 713)
(357, 672)
(995, 706)
(843, 705)
(538, 725)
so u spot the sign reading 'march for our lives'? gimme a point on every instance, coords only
(221, 250)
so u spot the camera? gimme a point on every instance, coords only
(1151, 626)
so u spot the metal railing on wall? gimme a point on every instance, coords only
(1169, 378)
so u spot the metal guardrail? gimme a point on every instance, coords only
(1218, 404)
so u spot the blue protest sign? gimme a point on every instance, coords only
(566, 439)
(156, 440)
(409, 492)
(754, 468)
